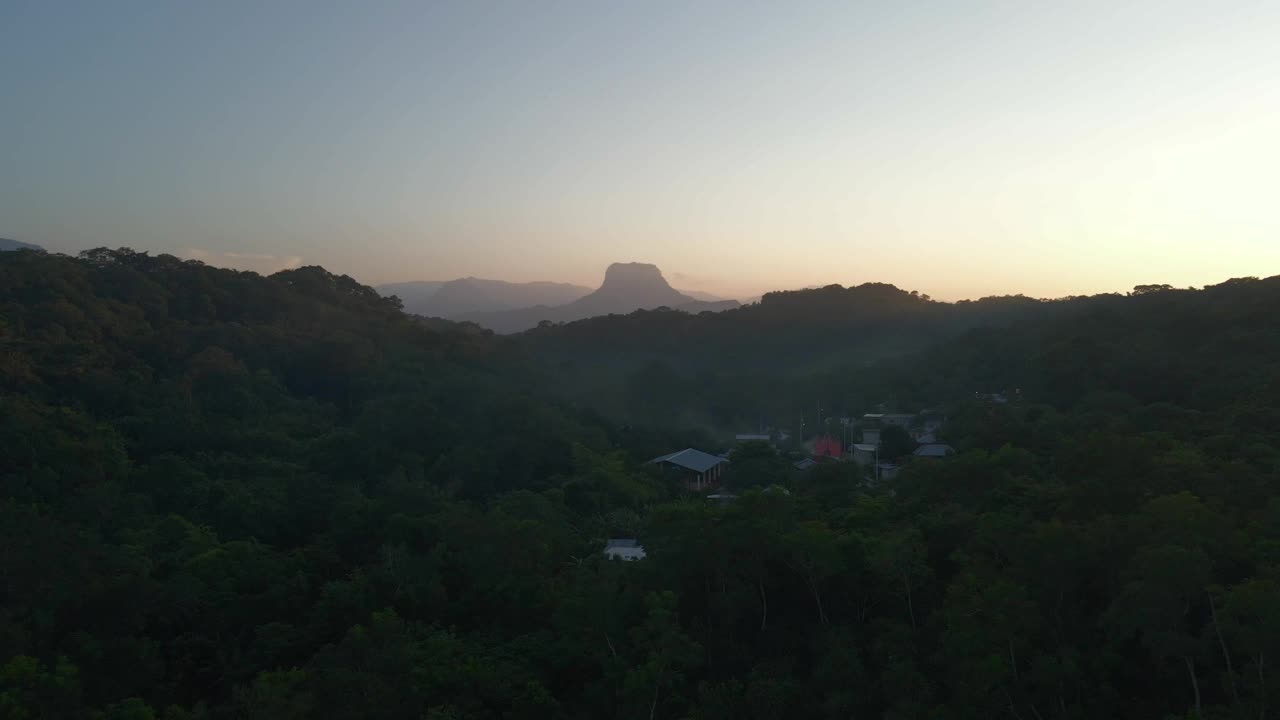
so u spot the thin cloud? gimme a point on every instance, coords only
(262, 264)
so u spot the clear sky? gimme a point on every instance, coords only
(956, 148)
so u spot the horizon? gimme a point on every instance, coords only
(746, 299)
(981, 149)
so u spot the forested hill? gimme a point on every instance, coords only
(787, 331)
(226, 497)
(306, 365)
(1199, 349)
(848, 350)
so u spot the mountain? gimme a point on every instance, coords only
(415, 295)
(627, 287)
(468, 295)
(703, 296)
(15, 245)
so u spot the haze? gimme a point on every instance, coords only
(961, 149)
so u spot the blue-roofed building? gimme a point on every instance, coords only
(697, 469)
(934, 450)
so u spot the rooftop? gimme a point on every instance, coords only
(690, 459)
(934, 450)
(624, 549)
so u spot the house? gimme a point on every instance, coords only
(752, 437)
(697, 469)
(871, 436)
(899, 419)
(934, 450)
(804, 464)
(624, 549)
(924, 437)
(886, 471)
(873, 418)
(865, 453)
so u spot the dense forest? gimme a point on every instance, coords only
(230, 496)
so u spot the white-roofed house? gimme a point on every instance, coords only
(624, 549)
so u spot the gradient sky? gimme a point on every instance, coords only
(958, 148)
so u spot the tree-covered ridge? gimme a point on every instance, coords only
(229, 496)
(1156, 343)
(784, 331)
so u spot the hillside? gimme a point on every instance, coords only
(850, 349)
(1198, 349)
(797, 329)
(627, 287)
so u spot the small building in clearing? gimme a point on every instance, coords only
(697, 469)
(865, 453)
(624, 549)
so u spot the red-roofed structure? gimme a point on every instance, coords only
(827, 446)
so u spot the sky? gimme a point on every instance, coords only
(957, 148)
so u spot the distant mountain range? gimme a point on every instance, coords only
(627, 287)
(449, 299)
(512, 307)
(15, 245)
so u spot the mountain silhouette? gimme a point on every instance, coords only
(15, 245)
(704, 296)
(627, 287)
(469, 295)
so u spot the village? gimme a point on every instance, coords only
(878, 444)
